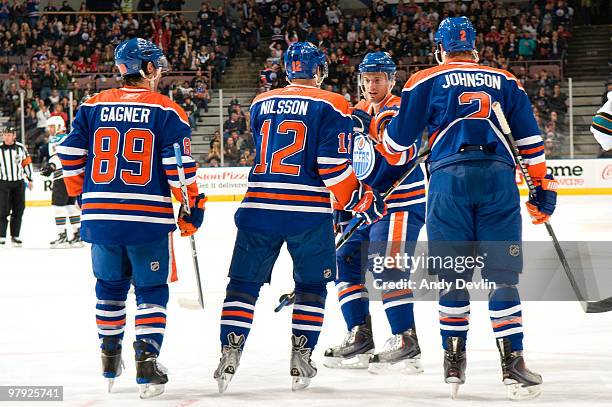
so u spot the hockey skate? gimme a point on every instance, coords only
(401, 353)
(76, 239)
(521, 383)
(2, 241)
(355, 350)
(112, 364)
(61, 241)
(16, 242)
(454, 364)
(229, 362)
(302, 367)
(150, 375)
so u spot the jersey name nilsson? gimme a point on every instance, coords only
(125, 114)
(472, 80)
(284, 106)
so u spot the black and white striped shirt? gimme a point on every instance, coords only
(15, 162)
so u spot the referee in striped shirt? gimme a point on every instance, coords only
(15, 170)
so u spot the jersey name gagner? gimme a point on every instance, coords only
(472, 80)
(125, 114)
(284, 106)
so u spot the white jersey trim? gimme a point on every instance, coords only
(331, 161)
(124, 195)
(71, 150)
(127, 218)
(289, 208)
(339, 178)
(529, 140)
(283, 185)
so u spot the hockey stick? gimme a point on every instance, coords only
(588, 306)
(188, 302)
(288, 299)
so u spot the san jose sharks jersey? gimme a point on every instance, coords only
(373, 169)
(120, 158)
(54, 143)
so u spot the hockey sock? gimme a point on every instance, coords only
(399, 309)
(60, 218)
(74, 215)
(454, 311)
(110, 310)
(151, 315)
(506, 316)
(308, 311)
(238, 309)
(354, 303)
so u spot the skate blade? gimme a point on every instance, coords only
(111, 382)
(455, 382)
(150, 390)
(406, 366)
(361, 361)
(517, 391)
(223, 381)
(300, 383)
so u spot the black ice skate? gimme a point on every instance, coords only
(355, 350)
(16, 242)
(522, 384)
(401, 353)
(302, 367)
(454, 364)
(2, 241)
(61, 241)
(76, 239)
(112, 364)
(230, 360)
(150, 375)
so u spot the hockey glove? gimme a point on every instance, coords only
(189, 224)
(367, 204)
(47, 170)
(543, 203)
(382, 119)
(341, 219)
(361, 121)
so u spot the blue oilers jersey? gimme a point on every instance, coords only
(299, 134)
(453, 102)
(373, 169)
(120, 158)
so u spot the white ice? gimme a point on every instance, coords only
(48, 333)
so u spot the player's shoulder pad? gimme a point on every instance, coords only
(362, 105)
(165, 103)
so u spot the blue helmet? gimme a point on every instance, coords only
(378, 62)
(456, 34)
(130, 55)
(302, 60)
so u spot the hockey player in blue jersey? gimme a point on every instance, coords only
(119, 158)
(393, 235)
(472, 194)
(299, 131)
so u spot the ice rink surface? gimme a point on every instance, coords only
(49, 337)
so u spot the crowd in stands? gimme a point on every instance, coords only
(509, 34)
(47, 55)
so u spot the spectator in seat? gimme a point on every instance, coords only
(192, 112)
(201, 96)
(558, 102)
(58, 110)
(231, 154)
(527, 46)
(234, 124)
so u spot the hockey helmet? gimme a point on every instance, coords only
(456, 34)
(58, 122)
(131, 54)
(302, 60)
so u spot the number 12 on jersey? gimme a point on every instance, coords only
(277, 164)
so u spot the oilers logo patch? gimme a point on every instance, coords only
(363, 156)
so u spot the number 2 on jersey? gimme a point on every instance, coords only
(137, 148)
(277, 164)
(484, 103)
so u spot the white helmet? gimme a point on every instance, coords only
(58, 122)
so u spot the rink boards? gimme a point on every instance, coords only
(226, 184)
